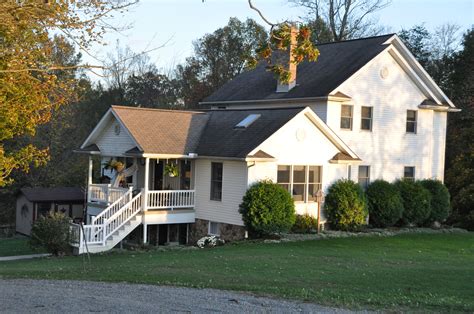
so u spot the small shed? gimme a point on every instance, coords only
(31, 203)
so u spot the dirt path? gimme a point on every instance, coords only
(79, 296)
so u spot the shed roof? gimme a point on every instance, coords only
(59, 194)
(336, 63)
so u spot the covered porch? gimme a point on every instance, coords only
(166, 184)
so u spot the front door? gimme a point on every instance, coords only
(158, 175)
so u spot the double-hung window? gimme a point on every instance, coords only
(216, 181)
(303, 182)
(346, 117)
(364, 176)
(366, 118)
(411, 121)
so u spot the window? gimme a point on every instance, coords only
(283, 177)
(364, 176)
(409, 173)
(216, 181)
(346, 117)
(411, 121)
(214, 228)
(303, 182)
(366, 118)
(299, 180)
(314, 182)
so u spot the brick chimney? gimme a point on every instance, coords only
(287, 60)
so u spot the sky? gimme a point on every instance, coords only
(175, 24)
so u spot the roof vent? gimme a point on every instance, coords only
(245, 123)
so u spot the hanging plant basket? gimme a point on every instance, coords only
(171, 170)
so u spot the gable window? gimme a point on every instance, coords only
(366, 118)
(411, 121)
(303, 182)
(409, 173)
(216, 181)
(346, 117)
(364, 176)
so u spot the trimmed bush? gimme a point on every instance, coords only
(384, 203)
(305, 224)
(52, 233)
(416, 202)
(346, 206)
(440, 204)
(267, 208)
(463, 207)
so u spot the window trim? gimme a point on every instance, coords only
(415, 122)
(211, 196)
(371, 119)
(351, 118)
(364, 178)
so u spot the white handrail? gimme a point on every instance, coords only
(170, 199)
(112, 209)
(120, 218)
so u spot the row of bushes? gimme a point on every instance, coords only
(404, 202)
(268, 208)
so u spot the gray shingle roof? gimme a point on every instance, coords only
(60, 194)
(336, 63)
(220, 138)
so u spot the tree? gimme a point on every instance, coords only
(459, 144)
(30, 88)
(218, 57)
(417, 39)
(346, 19)
(152, 90)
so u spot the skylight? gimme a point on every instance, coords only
(245, 123)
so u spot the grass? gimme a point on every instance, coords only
(407, 272)
(16, 246)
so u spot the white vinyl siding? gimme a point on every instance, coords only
(388, 148)
(234, 186)
(111, 144)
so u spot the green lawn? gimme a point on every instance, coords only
(16, 246)
(405, 272)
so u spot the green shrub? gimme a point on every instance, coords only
(463, 207)
(345, 205)
(305, 224)
(440, 205)
(416, 201)
(52, 233)
(267, 208)
(384, 203)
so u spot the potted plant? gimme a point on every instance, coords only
(171, 170)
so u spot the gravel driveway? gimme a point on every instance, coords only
(80, 296)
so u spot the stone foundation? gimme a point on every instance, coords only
(227, 232)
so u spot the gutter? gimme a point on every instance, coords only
(439, 108)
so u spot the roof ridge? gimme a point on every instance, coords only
(355, 39)
(256, 109)
(155, 109)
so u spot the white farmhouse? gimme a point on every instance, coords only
(365, 110)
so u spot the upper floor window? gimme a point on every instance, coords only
(411, 121)
(303, 182)
(409, 173)
(366, 119)
(346, 117)
(364, 176)
(216, 181)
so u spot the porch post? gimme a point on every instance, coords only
(147, 183)
(145, 235)
(89, 178)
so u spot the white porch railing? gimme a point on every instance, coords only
(105, 193)
(170, 199)
(112, 208)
